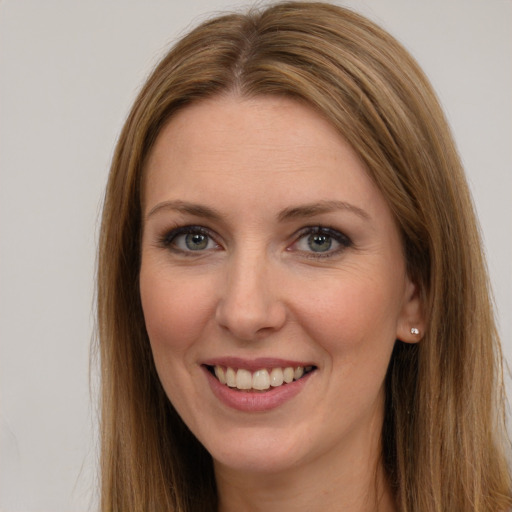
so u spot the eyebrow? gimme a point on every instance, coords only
(312, 209)
(197, 210)
(291, 213)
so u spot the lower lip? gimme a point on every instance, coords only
(256, 401)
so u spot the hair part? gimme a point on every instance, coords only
(443, 430)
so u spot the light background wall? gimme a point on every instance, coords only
(69, 71)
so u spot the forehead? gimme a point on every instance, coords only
(226, 123)
(272, 148)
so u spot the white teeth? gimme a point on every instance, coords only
(276, 377)
(220, 374)
(261, 379)
(298, 372)
(231, 377)
(243, 379)
(288, 374)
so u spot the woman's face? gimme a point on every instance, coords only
(268, 253)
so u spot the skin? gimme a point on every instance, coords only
(258, 289)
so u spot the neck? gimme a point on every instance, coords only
(351, 479)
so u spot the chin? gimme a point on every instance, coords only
(256, 452)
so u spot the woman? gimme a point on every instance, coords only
(293, 306)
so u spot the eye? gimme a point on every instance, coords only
(189, 239)
(321, 242)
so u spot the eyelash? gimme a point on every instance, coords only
(333, 234)
(168, 240)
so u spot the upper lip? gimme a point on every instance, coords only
(255, 364)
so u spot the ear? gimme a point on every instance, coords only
(411, 322)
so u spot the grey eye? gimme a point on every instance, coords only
(319, 242)
(196, 241)
(189, 239)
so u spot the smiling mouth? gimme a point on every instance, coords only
(261, 380)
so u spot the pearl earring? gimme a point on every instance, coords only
(414, 330)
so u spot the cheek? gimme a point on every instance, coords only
(175, 311)
(351, 314)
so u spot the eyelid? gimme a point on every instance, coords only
(167, 238)
(342, 239)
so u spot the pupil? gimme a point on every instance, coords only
(320, 243)
(196, 241)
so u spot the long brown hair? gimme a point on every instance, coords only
(443, 431)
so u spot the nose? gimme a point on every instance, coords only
(250, 305)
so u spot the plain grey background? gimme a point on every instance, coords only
(69, 71)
